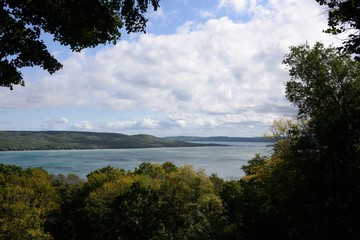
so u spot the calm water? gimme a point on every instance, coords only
(226, 161)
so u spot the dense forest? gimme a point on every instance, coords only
(61, 140)
(152, 202)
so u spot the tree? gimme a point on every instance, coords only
(254, 164)
(153, 202)
(344, 16)
(191, 207)
(26, 199)
(61, 223)
(324, 158)
(309, 185)
(325, 87)
(135, 213)
(98, 208)
(77, 24)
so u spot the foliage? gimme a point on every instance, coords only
(192, 194)
(77, 24)
(325, 87)
(328, 96)
(250, 213)
(344, 16)
(60, 223)
(254, 164)
(135, 213)
(153, 202)
(26, 199)
(321, 81)
(308, 186)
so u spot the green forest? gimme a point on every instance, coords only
(63, 140)
(307, 188)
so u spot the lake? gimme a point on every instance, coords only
(225, 161)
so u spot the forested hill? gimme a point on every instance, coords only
(218, 139)
(61, 140)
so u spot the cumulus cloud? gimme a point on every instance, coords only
(84, 125)
(214, 74)
(146, 123)
(206, 14)
(238, 6)
(54, 123)
(237, 124)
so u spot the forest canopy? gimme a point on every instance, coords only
(61, 140)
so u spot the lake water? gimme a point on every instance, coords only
(225, 161)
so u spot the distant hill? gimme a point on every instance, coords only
(61, 140)
(218, 139)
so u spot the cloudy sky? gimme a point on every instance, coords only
(205, 68)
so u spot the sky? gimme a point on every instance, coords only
(203, 68)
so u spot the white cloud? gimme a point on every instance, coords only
(54, 124)
(130, 124)
(84, 125)
(206, 14)
(236, 124)
(238, 5)
(212, 75)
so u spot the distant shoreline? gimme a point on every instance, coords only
(218, 139)
(73, 140)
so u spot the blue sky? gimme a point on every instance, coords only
(205, 68)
